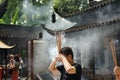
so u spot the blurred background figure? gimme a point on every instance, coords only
(20, 67)
(11, 64)
(13, 67)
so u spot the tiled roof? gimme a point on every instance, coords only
(101, 17)
(19, 31)
(93, 7)
(86, 26)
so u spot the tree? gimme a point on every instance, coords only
(17, 14)
(70, 6)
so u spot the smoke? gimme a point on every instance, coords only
(60, 24)
(34, 15)
(107, 13)
(86, 44)
(90, 43)
(97, 0)
(52, 44)
(41, 56)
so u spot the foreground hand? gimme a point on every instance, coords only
(117, 72)
(60, 57)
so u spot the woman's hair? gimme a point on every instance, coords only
(67, 51)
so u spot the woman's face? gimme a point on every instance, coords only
(12, 60)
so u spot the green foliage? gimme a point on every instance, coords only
(2, 21)
(56, 3)
(70, 6)
(24, 53)
(16, 15)
(11, 12)
(1, 1)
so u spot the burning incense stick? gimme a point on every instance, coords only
(58, 41)
(113, 52)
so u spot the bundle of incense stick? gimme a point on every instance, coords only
(112, 45)
(58, 41)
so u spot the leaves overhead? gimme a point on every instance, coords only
(16, 15)
(70, 6)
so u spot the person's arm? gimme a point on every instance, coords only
(68, 67)
(8, 66)
(52, 66)
(54, 69)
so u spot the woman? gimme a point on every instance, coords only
(13, 67)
